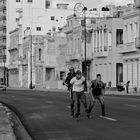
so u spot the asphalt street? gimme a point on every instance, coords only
(47, 116)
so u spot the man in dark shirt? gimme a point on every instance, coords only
(70, 75)
(97, 92)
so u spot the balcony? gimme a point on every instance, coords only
(2, 5)
(75, 57)
(137, 43)
(100, 54)
(127, 47)
(13, 65)
(68, 29)
(2, 44)
(2, 24)
(11, 48)
(137, 3)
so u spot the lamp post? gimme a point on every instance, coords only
(80, 8)
(28, 29)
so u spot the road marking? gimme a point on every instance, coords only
(29, 98)
(130, 105)
(13, 96)
(49, 102)
(108, 118)
(68, 106)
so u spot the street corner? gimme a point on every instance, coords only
(6, 130)
(11, 126)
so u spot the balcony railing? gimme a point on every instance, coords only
(101, 54)
(127, 47)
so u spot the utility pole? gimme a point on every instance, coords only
(28, 29)
(80, 8)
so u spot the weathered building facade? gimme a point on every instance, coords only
(107, 35)
(130, 48)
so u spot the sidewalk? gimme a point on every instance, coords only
(6, 130)
(108, 92)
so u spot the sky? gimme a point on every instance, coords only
(100, 3)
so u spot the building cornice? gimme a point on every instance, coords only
(130, 15)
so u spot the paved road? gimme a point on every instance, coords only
(46, 115)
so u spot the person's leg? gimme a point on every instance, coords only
(72, 102)
(83, 100)
(92, 103)
(101, 100)
(78, 104)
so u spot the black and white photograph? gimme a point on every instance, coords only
(69, 69)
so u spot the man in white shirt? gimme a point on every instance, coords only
(78, 91)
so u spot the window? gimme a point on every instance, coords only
(52, 17)
(62, 75)
(47, 4)
(38, 28)
(39, 54)
(17, 0)
(29, 0)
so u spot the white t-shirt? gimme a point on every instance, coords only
(78, 85)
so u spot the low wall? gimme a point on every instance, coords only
(54, 85)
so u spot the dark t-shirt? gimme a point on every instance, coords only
(97, 87)
(68, 79)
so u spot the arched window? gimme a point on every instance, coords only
(39, 54)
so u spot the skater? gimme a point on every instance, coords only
(70, 75)
(78, 83)
(97, 91)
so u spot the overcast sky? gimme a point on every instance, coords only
(99, 3)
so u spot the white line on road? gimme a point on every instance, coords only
(68, 106)
(108, 118)
(49, 102)
(130, 105)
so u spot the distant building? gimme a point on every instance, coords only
(130, 48)
(41, 17)
(107, 35)
(54, 60)
(2, 38)
(13, 66)
(75, 32)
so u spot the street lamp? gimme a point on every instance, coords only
(80, 8)
(28, 29)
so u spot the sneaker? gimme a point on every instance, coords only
(88, 115)
(72, 113)
(77, 115)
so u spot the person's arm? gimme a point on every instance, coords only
(91, 89)
(72, 81)
(66, 81)
(103, 89)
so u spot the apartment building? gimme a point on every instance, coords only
(75, 32)
(55, 60)
(3, 69)
(107, 35)
(33, 18)
(14, 56)
(130, 48)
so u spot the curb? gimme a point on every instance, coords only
(108, 92)
(19, 132)
(6, 130)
